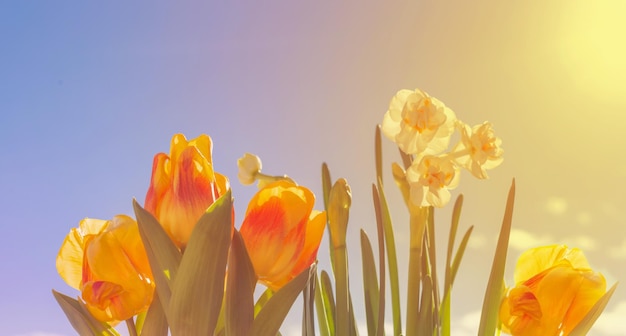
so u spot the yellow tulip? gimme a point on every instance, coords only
(282, 232)
(107, 262)
(554, 290)
(183, 186)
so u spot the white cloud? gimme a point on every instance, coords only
(612, 322)
(585, 243)
(467, 325)
(556, 205)
(618, 252)
(477, 241)
(523, 240)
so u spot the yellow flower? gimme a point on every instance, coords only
(249, 166)
(282, 232)
(107, 262)
(418, 123)
(554, 290)
(183, 186)
(430, 179)
(479, 149)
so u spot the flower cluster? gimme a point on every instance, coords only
(421, 126)
(107, 261)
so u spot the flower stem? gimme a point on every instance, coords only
(418, 221)
(132, 331)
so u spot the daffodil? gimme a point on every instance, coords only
(249, 166)
(418, 123)
(282, 232)
(107, 262)
(183, 186)
(430, 180)
(479, 149)
(554, 289)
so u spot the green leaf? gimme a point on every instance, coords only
(394, 283)
(380, 233)
(267, 294)
(338, 216)
(370, 284)
(198, 288)
(447, 285)
(80, 318)
(155, 322)
(271, 316)
(240, 289)
(459, 254)
(378, 154)
(308, 317)
(321, 309)
(425, 319)
(163, 255)
(587, 322)
(329, 301)
(493, 294)
(432, 262)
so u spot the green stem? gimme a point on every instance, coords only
(343, 295)
(132, 331)
(417, 228)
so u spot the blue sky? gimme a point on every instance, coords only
(90, 92)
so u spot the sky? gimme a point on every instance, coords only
(90, 92)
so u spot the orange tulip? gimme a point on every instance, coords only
(554, 290)
(282, 232)
(107, 262)
(183, 186)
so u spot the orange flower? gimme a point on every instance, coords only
(554, 290)
(183, 186)
(107, 262)
(282, 232)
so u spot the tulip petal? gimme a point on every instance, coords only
(537, 260)
(69, 261)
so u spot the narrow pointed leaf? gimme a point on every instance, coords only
(240, 289)
(380, 230)
(493, 294)
(370, 284)
(392, 260)
(329, 301)
(163, 255)
(272, 315)
(155, 322)
(308, 302)
(378, 154)
(447, 284)
(198, 288)
(426, 308)
(80, 318)
(262, 300)
(458, 257)
(320, 309)
(587, 322)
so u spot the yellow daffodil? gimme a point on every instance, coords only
(430, 180)
(418, 123)
(249, 166)
(479, 149)
(282, 232)
(183, 186)
(554, 290)
(107, 262)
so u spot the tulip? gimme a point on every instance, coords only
(107, 262)
(282, 232)
(183, 186)
(554, 290)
